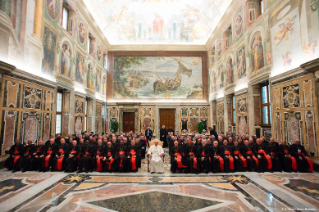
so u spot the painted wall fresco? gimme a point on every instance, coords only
(286, 43)
(90, 76)
(80, 68)
(66, 60)
(52, 8)
(49, 49)
(174, 21)
(157, 77)
(257, 51)
(241, 63)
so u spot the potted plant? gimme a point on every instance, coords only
(200, 127)
(114, 127)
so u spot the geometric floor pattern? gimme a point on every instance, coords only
(143, 191)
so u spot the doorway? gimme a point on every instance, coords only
(167, 118)
(128, 121)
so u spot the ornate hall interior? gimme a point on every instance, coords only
(159, 105)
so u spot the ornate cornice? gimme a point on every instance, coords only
(311, 66)
(158, 47)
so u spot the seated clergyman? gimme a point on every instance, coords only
(156, 153)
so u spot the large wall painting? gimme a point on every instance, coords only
(286, 43)
(157, 21)
(158, 77)
(49, 42)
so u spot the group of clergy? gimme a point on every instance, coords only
(225, 154)
(96, 153)
(188, 154)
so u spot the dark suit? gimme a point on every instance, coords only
(163, 134)
(149, 134)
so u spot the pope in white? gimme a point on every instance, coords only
(156, 153)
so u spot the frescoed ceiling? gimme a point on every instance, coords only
(127, 22)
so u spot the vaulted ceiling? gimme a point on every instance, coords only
(131, 22)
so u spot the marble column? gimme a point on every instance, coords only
(225, 115)
(251, 111)
(35, 42)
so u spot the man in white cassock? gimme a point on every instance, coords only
(156, 153)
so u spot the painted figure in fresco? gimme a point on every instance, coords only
(285, 28)
(309, 50)
(52, 8)
(98, 80)
(82, 32)
(90, 77)
(66, 60)
(221, 77)
(80, 69)
(229, 68)
(104, 85)
(219, 48)
(99, 53)
(49, 52)
(257, 52)
(287, 59)
(241, 64)
(239, 24)
(192, 16)
(158, 25)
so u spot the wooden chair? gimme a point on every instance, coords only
(148, 157)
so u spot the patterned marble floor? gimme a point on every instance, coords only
(143, 191)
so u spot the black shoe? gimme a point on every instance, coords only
(13, 171)
(78, 171)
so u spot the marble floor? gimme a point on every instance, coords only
(143, 191)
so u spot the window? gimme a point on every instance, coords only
(234, 111)
(65, 18)
(252, 16)
(265, 104)
(213, 55)
(261, 6)
(58, 124)
(105, 61)
(90, 44)
(86, 114)
(228, 37)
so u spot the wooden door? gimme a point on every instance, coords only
(167, 118)
(128, 121)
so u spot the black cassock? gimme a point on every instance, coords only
(203, 151)
(176, 159)
(97, 163)
(85, 159)
(286, 158)
(238, 163)
(72, 162)
(27, 158)
(58, 164)
(120, 158)
(13, 162)
(228, 161)
(110, 157)
(163, 134)
(261, 151)
(251, 160)
(273, 150)
(38, 162)
(217, 159)
(191, 159)
(298, 151)
(132, 160)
